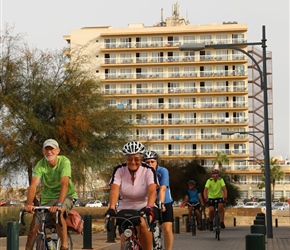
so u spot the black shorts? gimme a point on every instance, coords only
(127, 217)
(196, 207)
(167, 216)
(211, 202)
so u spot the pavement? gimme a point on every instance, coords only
(233, 238)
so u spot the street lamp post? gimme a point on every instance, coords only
(263, 78)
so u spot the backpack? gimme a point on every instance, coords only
(75, 221)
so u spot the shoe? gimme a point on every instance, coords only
(210, 226)
(199, 227)
(222, 225)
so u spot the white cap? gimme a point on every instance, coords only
(51, 143)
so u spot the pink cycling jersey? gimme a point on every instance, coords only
(133, 194)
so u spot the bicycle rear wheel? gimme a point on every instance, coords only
(69, 242)
(38, 243)
(158, 238)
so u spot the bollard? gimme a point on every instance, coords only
(87, 232)
(261, 214)
(255, 242)
(276, 222)
(111, 233)
(259, 217)
(184, 217)
(12, 235)
(187, 227)
(176, 224)
(259, 222)
(258, 229)
(235, 222)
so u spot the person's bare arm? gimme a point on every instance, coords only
(31, 194)
(151, 194)
(63, 189)
(114, 195)
(205, 193)
(225, 191)
(200, 199)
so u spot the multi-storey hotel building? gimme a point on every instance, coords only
(183, 100)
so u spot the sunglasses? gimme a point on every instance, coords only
(133, 159)
(150, 161)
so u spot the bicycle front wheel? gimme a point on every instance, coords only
(38, 243)
(127, 245)
(193, 227)
(69, 242)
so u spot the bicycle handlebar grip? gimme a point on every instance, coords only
(21, 217)
(107, 224)
(146, 221)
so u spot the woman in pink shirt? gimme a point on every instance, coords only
(135, 183)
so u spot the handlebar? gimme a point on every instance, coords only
(107, 226)
(37, 209)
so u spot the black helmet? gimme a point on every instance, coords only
(191, 182)
(133, 147)
(149, 154)
(214, 171)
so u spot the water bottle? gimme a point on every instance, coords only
(50, 244)
(54, 239)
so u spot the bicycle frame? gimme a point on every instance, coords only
(216, 221)
(193, 219)
(158, 239)
(132, 241)
(41, 239)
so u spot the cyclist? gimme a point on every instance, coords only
(163, 196)
(215, 189)
(193, 196)
(54, 171)
(136, 184)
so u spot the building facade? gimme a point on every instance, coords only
(181, 101)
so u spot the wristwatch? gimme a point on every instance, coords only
(59, 204)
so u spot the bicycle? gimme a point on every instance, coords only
(158, 237)
(216, 221)
(47, 237)
(193, 222)
(128, 219)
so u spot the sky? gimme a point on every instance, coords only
(46, 22)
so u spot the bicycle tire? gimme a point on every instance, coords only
(127, 245)
(217, 227)
(38, 243)
(158, 239)
(69, 242)
(193, 227)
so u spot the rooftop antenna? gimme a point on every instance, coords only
(162, 15)
(175, 10)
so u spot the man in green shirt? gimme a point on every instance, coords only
(54, 171)
(215, 189)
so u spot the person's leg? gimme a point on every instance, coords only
(167, 226)
(221, 212)
(34, 226)
(62, 230)
(211, 213)
(197, 214)
(168, 235)
(145, 236)
(222, 215)
(190, 213)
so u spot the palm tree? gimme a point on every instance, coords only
(275, 174)
(220, 159)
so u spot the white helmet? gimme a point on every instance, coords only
(149, 154)
(133, 147)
